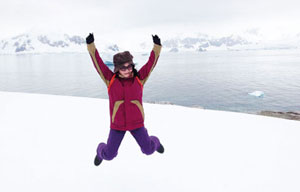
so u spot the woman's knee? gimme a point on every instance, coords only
(104, 153)
(152, 146)
(148, 151)
(111, 156)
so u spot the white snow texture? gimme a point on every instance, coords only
(48, 143)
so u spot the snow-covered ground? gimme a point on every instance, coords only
(48, 143)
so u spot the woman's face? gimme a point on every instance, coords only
(126, 70)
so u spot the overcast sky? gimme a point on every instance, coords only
(141, 17)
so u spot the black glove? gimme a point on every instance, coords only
(90, 38)
(156, 40)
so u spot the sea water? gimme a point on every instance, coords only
(219, 80)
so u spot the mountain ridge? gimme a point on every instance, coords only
(58, 43)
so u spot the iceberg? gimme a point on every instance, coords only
(109, 63)
(257, 93)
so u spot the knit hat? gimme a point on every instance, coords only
(121, 58)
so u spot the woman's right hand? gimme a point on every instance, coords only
(90, 38)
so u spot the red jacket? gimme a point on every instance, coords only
(125, 95)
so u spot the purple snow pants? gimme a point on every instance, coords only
(108, 151)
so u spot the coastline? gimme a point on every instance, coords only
(291, 115)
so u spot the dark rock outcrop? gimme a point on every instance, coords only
(286, 115)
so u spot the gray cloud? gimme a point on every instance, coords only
(117, 16)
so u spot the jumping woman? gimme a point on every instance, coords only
(125, 89)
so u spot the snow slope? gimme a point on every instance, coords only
(48, 143)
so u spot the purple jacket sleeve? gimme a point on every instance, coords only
(146, 70)
(104, 72)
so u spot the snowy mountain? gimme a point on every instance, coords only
(48, 43)
(204, 42)
(198, 42)
(249, 40)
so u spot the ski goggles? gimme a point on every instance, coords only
(124, 68)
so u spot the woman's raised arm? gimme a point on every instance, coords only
(146, 70)
(104, 72)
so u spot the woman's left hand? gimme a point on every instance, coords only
(156, 40)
